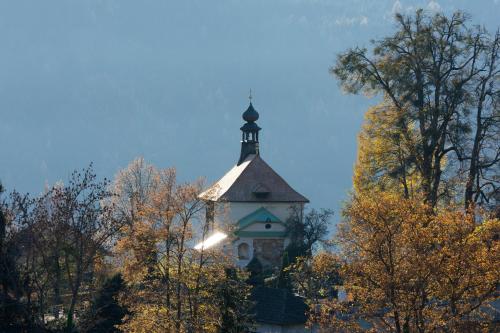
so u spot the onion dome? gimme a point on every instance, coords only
(250, 115)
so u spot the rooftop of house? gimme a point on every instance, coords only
(253, 180)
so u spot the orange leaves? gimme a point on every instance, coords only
(405, 264)
(171, 286)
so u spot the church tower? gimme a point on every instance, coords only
(249, 134)
(255, 200)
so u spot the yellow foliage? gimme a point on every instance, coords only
(171, 286)
(409, 268)
(385, 153)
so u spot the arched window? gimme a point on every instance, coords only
(243, 251)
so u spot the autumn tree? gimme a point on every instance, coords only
(385, 157)
(132, 189)
(172, 286)
(439, 121)
(407, 270)
(316, 278)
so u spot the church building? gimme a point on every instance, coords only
(256, 202)
(256, 199)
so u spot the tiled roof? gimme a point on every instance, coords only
(245, 183)
(278, 306)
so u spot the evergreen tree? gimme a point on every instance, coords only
(106, 312)
(232, 296)
(256, 271)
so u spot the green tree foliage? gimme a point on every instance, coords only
(439, 118)
(232, 297)
(106, 312)
(257, 274)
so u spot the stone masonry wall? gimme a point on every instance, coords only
(269, 251)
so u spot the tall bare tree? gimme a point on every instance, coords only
(441, 78)
(88, 227)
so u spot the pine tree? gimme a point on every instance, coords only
(106, 312)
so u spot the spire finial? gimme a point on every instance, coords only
(250, 95)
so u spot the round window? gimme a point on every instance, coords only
(268, 225)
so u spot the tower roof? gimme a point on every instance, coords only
(250, 115)
(248, 127)
(253, 180)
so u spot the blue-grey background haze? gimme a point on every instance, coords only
(107, 81)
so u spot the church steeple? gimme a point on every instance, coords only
(250, 133)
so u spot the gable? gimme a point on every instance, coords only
(260, 215)
(253, 224)
(253, 181)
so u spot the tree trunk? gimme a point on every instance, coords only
(74, 297)
(71, 311)
(474, 158)
(57, 285)
(178, 289)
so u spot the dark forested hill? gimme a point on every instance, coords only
(106, 81)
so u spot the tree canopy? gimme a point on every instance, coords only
(406, 270)
(438, 126)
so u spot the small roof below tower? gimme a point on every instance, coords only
(253, 180)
